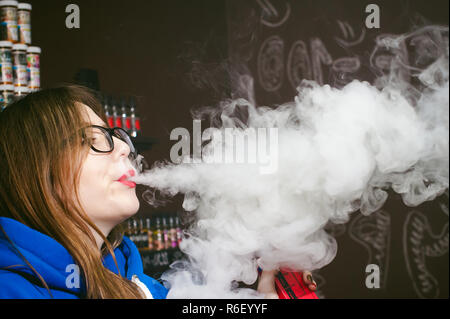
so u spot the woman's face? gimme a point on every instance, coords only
(106, 200)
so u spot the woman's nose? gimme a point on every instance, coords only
(121, 148)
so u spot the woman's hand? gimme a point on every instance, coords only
(266, 284)
(309, 281)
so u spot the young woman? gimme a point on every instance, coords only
(63, 194)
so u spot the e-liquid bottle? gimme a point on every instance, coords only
(172, 233)
(108, 111)
(20, 72)
(6, 95)
(115, 113)
(166, 234)
(24, 23)
(8, 20)
(143, 234)
(178, 230)
(158, 235)
(126, 119)
(148, 226)
(130, 231)
(136, 236)
(6, 63)
(34, 68)
(135, 119)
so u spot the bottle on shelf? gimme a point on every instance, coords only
(165, 233)
(130, 231)
(6, 95)
(136, 235)
(172, 233)
(108, 111)
(178, 230)
(125, 116)
(148, 227)
(158, 236)
(135, 119)
(127, 231)
(143, 234)
(115, 113)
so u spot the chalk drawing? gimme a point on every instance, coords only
(299, 64)
(319, 56)
(419, 244)
(350, 38)
(390, 57)
(344, 70)
(271, 17)
(373, 233)
(271, 63)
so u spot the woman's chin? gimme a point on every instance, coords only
(129, 207)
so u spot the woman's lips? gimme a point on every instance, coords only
(128, 183)
(123, 179)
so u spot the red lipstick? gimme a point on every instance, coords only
(123, 179)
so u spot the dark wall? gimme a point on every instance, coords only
(147, 49)
(283, 42)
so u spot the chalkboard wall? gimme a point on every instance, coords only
(276, 44)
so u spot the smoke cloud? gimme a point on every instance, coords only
(339, 151)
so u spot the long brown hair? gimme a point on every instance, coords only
(42, 156)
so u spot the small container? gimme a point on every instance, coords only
(19, 54)
(115, 113)
(126, 118)
(20, 91)
(8, 21)
(108, 111)
(6, 95)
(33, 57)
(34, 68)
(6, 76)
(24, 22)
(135, 120)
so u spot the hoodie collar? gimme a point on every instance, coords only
(52, 261)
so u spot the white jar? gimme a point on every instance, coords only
(6, 95)
(8, 21)
(24, 22)
(6, 71)
(19, 54)
(34, 68)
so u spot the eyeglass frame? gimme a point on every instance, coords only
(110, 135)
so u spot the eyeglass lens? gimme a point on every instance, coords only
(101, 141)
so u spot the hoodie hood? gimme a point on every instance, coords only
(52, 261)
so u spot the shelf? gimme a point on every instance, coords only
(157, 262)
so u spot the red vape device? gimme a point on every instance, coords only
(290, 285)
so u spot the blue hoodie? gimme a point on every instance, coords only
(51, 260)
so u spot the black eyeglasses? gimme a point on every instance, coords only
(101, 139)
